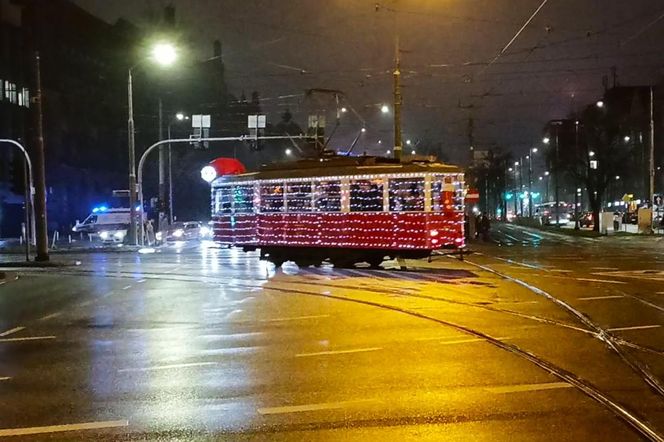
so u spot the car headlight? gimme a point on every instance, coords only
(119, 235)
(205, 231)
(104, 235)
(178, 233)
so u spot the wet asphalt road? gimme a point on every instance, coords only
(534, 337)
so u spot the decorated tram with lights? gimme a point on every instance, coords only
(342, 209)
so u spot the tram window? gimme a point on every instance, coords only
(243, 199)
(407, 195)
(328, 196)
(366, 196)
(222, 201)
(272, 198)
(298, 197)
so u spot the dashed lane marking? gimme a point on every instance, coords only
(636, 327)
(63, 428)
(338, 352)
(51, 316)
(28, 338)
(167, 367)
(13, 330)
(295, 318)
(140, 281)
(126, 287)
(605, 281)
(312, 407)
(601, 298)
(528, 387)
(4, 378)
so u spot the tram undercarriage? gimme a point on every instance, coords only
(315, 256)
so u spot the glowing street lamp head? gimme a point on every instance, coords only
(408, 142)
(164, 54)
(546, 140)
(384, 109)
(288, 151)
(591, 154)
(179, 116)
(364, 129)
(534, 150)
(600, 104)
(344, 110)
(208, 173)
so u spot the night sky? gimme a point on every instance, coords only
(556, 65)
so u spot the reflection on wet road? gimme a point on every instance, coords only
(202, 342)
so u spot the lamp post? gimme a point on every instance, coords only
(530, 181)
(179, 117)
(164, 54)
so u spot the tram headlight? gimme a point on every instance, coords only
(104, 235)
(208, 173)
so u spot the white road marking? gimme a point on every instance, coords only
(29, 338)
(2, 282)
(13, 330)
(637, 327)
(528, 387)
(606, 281)
(84, 303)
(468, 340)
(5, 378)
(126, 288)
(338, 352)
(63, 428)
(294, 318)
(312, 407)
(140, 281)
(51, 316)
(604, 268)
(600, 298)
(167, 367)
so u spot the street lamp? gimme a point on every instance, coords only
(384, 109)
(179, 117)
(627, 138)
(288, 151)
(165, 55)
(600, 104)
(546, 140)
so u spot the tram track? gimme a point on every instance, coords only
(637, 423)
(611, 341)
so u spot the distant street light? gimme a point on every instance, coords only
(344, 110)
(617, 177)
(388, 152)
(546, 173)
(364, 129)
(600, 104)
(546, 140)
(510, 169)
(384, 109)
(412, 152)
(541, 178)
(380, 141)
(179, 116)
(408, 142)
(516, 164)
(627, 138)
(591, 154)
(534, 150)
(288, 151)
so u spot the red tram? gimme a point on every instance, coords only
(342, 209)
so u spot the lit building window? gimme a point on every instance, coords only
(10, 92)
(25, 93)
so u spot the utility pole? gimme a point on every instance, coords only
(398, 101)
(161, 221)
(530, 184)
(557, 177)
(651, 159)
(133, 240)
(40, 172)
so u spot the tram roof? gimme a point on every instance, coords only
(342, 166)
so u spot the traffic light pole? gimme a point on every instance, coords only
(141, 162)
(41, 233)
(28, 194)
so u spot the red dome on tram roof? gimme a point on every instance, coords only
(227, 166)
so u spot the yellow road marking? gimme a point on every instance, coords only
(528, 387)
(61, 428)
(338, 352)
